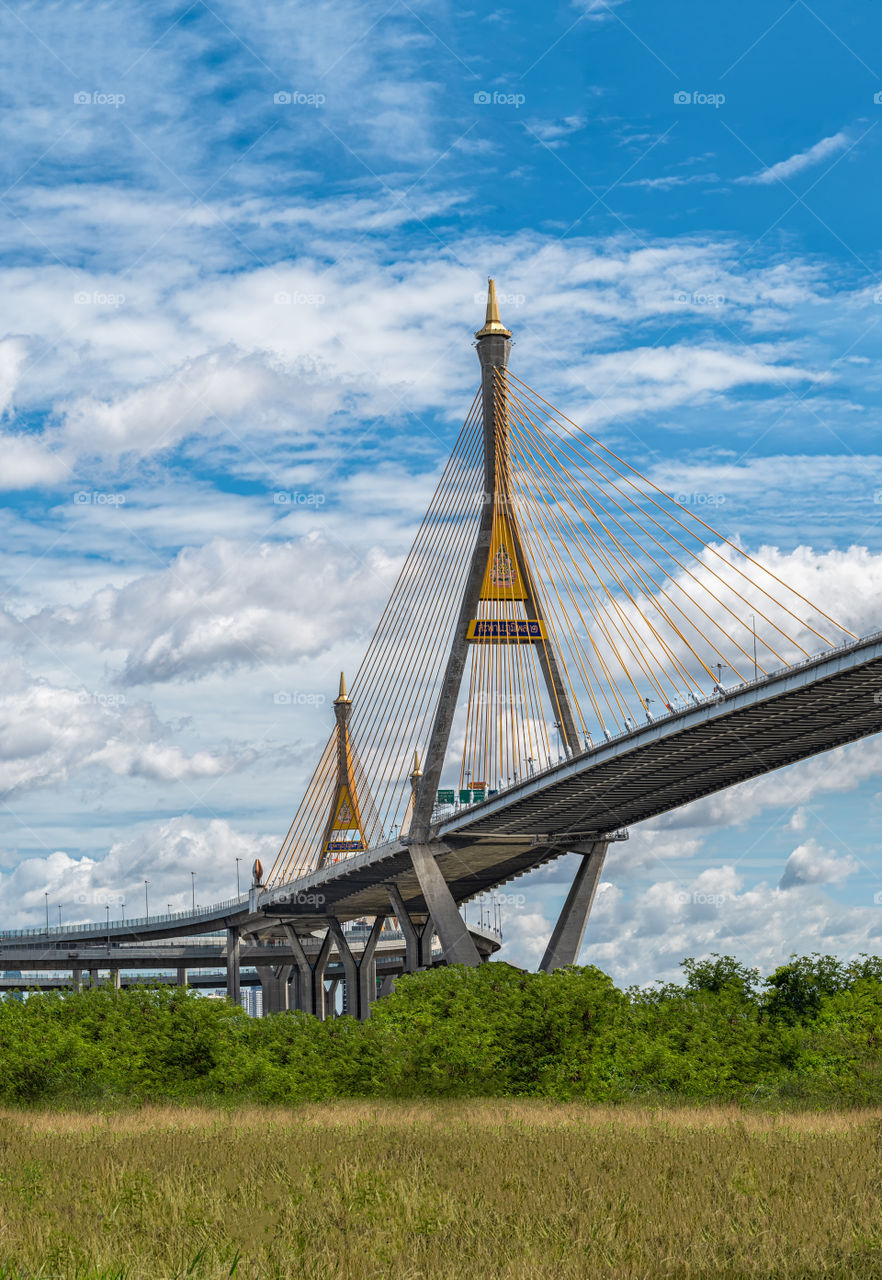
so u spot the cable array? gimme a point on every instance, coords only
(396, 687)
(621, 605)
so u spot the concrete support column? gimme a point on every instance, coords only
(93, 977)
(426, 931)
(77, 979)
(331, 998)
(274, 987)
(411, 940)
(311, 974)
(359, 991)
(182, 977)
(387, 986)
(565, 942)
(116, 976)
(457, 944)
(233, 951)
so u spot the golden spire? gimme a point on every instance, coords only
(492, 323)
(342, 696)
(417, 771)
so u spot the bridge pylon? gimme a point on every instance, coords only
(500, 603)
(344, 831)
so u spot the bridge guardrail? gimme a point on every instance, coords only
(136, 922)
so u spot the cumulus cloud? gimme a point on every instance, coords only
(645, 934)
(216, 386)
(220, 607)
(810, 864)
(50, 734)
(164, 853)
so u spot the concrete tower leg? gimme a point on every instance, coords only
(77, 979)
(331, 998)
(565, 942)
(359, 989)
(457, 943)
(411, 939)
(234, 990)
(427, 933)
(274, 987)
(311, 975)
(182, 977)
(117, 979)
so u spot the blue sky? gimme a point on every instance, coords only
(212, 294)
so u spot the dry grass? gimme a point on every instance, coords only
(512, 1190)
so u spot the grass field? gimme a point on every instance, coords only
(441, 1190)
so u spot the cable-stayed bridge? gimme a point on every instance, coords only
(567, 651)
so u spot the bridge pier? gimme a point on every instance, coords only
(565, 942)
(116, 978)
(311, 976)
(233, 976)
(182, 977)
(331, 998)
(274, 987)
(361, 975)
(457, 944)
(77, 979)
(418, 934)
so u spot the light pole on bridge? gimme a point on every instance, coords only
(146, 902)
(193, 888)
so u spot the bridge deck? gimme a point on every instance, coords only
(823, 703)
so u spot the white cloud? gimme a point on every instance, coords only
(222, 606)
(164, 853)
(49, 735)
(810, 864)
(28, 464)
(643, 935)
(785, 169)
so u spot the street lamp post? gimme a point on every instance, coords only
(193, 887)
(146, 902)
(46, 896)
(238, 890)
